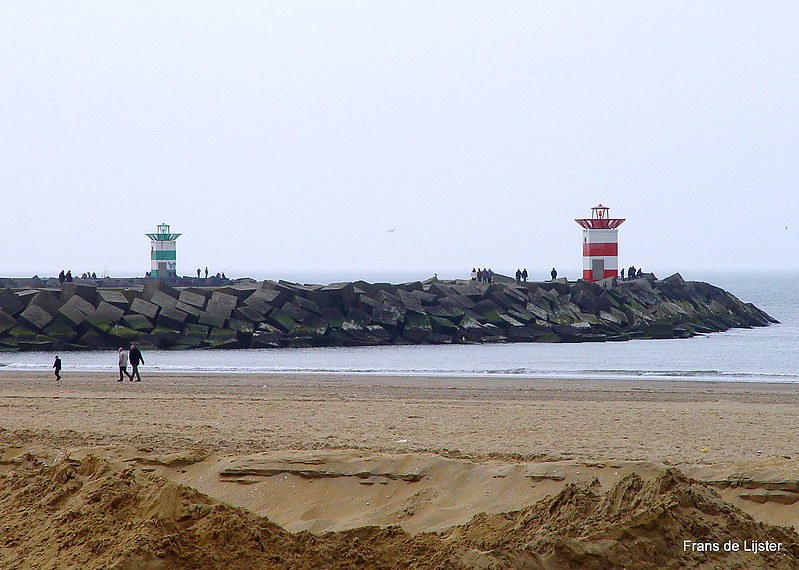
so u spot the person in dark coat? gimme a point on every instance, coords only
(524, 274)
(622, 274)
(61, 277)
(518, 276)
(640, 274)
(135, 358)
(631, 272)
(554, 274)
(57, 368)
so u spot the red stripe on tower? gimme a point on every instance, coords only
(600, 249)
(600, 244)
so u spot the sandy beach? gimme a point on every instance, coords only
(324, 453)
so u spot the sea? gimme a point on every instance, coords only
(764, 354)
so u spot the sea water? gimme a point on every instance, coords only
(763, 354)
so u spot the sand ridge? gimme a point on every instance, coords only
(422, 463)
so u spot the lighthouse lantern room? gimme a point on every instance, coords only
(600, 244)
(163, 254)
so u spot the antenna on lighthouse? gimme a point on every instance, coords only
(600, 244)
(163, 254)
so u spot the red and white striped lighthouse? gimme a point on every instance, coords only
(600, 244)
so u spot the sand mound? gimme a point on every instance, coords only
(92, 514)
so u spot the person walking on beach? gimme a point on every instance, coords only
(57, 368)
(135, 358)
(123, 364)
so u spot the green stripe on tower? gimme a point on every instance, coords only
(164, 255)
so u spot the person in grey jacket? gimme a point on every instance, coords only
(123, 364)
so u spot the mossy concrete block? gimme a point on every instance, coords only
(281, 320)
(122, 333)
(211, 319)
(7, 322)
(61, 330)
(334, 317)
(247, 313)
(219, 309)
(240, 326)
(137, 322)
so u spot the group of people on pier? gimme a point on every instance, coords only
(482, 275)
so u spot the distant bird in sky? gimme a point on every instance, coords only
(391, 230)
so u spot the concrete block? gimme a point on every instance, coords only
(308, 305)
(219, 309)
(295, 311)
(280, 320)
(113, 297)
(245, 327)
(137, 322)
(247, 313)
(224, 299)
(75, 310)
(7, 322)
(341, 294)
(105, 313)
(35, 317)
(10, 303)
(334, 316)
(211, 319)
(150, 288)
(163, 300)
(145, 308)
(193, 299)
(172, 318)
(269, 296)
(86, 292)
(47, 301)
(190, 310)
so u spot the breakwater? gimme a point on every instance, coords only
(249, 314)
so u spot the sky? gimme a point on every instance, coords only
(377, 138)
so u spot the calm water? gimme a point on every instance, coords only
(762, 354)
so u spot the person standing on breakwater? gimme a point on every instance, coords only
(474, 274)
(524, 275)
(554, 274)
(57, 368)
(123, 364)
(518, 276)
(206, 273)
(621, 274)
(198, 273)
(135, 359)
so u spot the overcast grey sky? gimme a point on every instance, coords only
(290, 137)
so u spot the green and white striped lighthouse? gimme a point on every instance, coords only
(163, 258)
